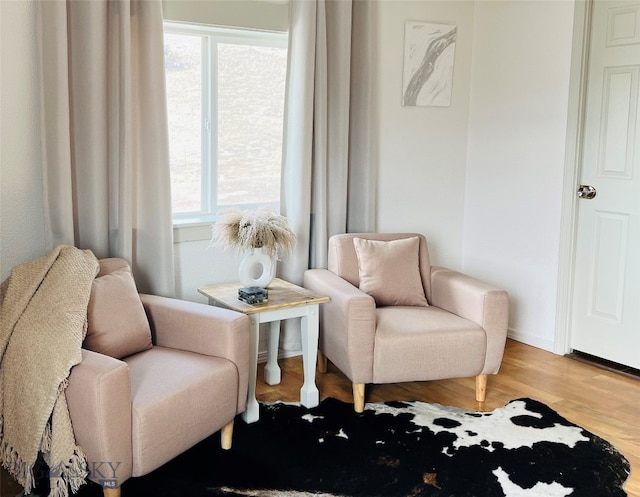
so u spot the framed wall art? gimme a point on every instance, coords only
(429, 53)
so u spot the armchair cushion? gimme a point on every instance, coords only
(418, 344)
(178, 399)
(117, 323)
(389, 271)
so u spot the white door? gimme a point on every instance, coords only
(606, 287)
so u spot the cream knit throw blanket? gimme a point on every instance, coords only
(43, 316)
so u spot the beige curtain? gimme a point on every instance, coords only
(328, 179)
(329, 159)
(104, 127)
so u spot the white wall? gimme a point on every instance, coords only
(516, 153)
(423, 150)
(21, 202)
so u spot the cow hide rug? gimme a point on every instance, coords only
(396, 449)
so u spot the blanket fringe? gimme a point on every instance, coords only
(16, 467)
(71, 475)
(57, 487)
(77, 470)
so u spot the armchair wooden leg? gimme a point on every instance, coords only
(481, 387)
(322, 362)
(358, 397)
(111, 492)
(226, 436)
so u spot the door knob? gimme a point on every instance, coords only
(587, 192)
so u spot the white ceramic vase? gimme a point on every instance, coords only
(257, 268)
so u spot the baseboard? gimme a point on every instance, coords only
(533, 340)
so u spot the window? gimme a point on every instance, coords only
(225, 103)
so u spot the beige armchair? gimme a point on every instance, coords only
(395, 318)
(157, 376)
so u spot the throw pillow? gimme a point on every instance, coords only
(117, 323)
(389, 271)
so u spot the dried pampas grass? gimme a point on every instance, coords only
(245, 230)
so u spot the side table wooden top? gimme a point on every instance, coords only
(282, 295)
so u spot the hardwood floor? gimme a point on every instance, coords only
(604, 402)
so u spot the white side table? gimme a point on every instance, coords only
(286, 301)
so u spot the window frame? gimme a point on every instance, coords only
(211, 36)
